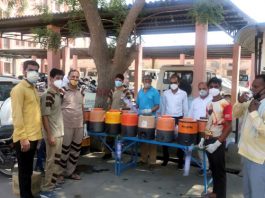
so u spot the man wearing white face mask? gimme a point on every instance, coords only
(198, 109)
(53, 130)
(26, 116)
(218, 128)
(174, 103)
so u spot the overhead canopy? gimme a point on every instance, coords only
(246, 36)
(156, 18)
(214, 51)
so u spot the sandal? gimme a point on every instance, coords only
(74, 177)
(60, 180)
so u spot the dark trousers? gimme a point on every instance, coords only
(180, 153)
(217, 166)
(25, 168)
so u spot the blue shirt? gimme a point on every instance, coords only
(148, 99)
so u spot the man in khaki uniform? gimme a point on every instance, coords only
(53, 128)
(72, 108)
(119, 99)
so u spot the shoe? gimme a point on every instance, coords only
(47, 194)
(74, 176)
(107, 156)
(164, 163)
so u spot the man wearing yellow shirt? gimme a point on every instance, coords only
(252, 140)
(27, 124)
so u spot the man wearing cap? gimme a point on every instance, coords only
(148, 100)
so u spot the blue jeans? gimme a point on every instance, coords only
(253, 179)
(41, 154)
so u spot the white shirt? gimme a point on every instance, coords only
(198, 107)
(176, 104)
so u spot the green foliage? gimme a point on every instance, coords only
(73, 4)
(75, 28)
(47, 38)
(207, 11)
(46, 14)
(18, 5)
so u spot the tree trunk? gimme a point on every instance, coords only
(106, 77)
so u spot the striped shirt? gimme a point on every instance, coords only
(252, 139)
(51, 107)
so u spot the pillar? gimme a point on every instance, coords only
(66, 59)
(42, 66)
(235, 71)
(182, 59)
(53, 57)
(252, 69)
(200, 56)
(14, 68)
(1, 67)
(75, 62)
(153, 63)
(138, 70)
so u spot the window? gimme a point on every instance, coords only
(6, 43)
(7, 68)
(5, 88)
(17, 42)
(184, 75)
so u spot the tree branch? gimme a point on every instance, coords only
(97, 32)
(125, 32)
(131, 55)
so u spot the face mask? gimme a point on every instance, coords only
(32, 76)
(118, 83)
(214, 92)
(74, 82)
(203, 93)
(58, 84)
(147, 85)
(174, 86)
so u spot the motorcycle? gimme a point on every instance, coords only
(7, 151)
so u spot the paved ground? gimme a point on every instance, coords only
(99, 181)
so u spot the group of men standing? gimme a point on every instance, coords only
(57, 116)
(60, 112)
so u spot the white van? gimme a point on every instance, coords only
(185, 72)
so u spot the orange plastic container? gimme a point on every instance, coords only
(165, 123)
(86, 115)
(129, 119)
(97, 115)
(187, 126)
(202, 125)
